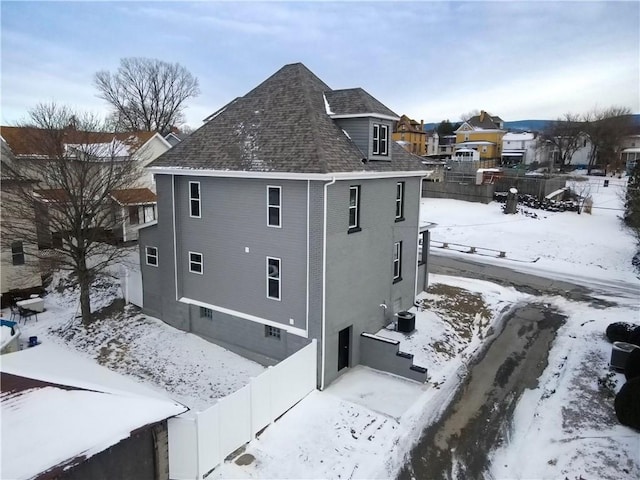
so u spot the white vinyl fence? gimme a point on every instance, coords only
(131, 284)
(199, 442)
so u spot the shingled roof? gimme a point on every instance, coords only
(485, 121)
(285, 125)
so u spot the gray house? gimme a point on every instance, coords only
(289, 215)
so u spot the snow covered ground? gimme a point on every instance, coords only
(595, 247)
(364, 424)
(189, 369)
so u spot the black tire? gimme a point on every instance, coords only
(632, 367)
(627, 404)
(620, 332)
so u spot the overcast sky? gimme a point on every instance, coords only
(429, 60)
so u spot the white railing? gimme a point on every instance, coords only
(199, 442)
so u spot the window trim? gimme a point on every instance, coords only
(17, 251)
(278, 206)
(194, 199)
(378, 142)
(278, 278)
(397, 261)
(148, 255)
(201, 262)
(354, 227)
(400, 186)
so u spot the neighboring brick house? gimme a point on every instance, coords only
(289, 215)
(411, 135)
(482, 133)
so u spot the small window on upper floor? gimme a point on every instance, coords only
(354, 208)
(152, 256)
(194, 199)
(17, 253)
(399, 201)
(380, 139)
(196, 263)
(273, 278)
(397, 262)
(274, 206)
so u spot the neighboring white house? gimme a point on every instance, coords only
(518, 148)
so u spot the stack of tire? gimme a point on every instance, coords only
(627, 402)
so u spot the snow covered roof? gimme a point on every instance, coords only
(59, 408)
(30, 141)
(514, 136)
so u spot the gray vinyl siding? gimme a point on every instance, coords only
(158, 283)
(151, 277)
(233, 219)
(360, 264)
(245, 337)
(360, 131)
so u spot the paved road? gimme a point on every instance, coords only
(581, 289)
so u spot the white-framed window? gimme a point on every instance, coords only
(194, 200)
(397, 262)
(273, 332)
(206, 312)
(151, 253)
(274, 206)
(196, 263)
(273, 278)
(354, 208)
(399, 201)
(17, 253)
(380, 139)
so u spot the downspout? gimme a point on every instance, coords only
(173, 218)
(324, 281)
(415, 287)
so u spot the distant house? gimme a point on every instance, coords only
(411, 135)
(144, 147)
(630, 152)
(440, 146)
(175, 136)
(64, 417)
(482, 133)
(289, 215)
(518, 148)
(19, 268)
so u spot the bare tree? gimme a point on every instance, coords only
(70, 166)
(147, 94)
(606, 129)
(471, 113)
(561, 139)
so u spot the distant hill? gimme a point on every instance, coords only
(529, 125)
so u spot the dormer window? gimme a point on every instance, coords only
(380, 139)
